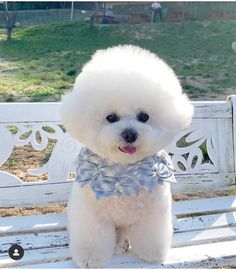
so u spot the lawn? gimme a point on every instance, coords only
(41, 63)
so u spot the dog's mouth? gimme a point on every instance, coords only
(128, 149)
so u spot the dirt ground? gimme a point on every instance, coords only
(23, 158)
(32, 210)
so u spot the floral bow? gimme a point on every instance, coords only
(111, 179)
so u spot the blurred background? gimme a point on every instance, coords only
(43, 45)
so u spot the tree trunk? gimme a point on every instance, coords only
(104, 8)
(183, 10)
(10, 19)
(9, 32)
(92, 19)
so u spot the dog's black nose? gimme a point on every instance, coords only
(129, 135)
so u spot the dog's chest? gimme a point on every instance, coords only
(126, 210)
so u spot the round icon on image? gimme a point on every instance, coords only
(16, 252)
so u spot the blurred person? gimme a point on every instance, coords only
(156, 10)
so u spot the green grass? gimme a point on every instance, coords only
(41, 62)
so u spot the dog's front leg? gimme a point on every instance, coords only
(150, 238)
(92, 239)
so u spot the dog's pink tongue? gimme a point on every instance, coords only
(129, 149)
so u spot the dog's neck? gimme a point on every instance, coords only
(111, 179)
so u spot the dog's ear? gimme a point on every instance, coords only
(69, 112)
(180, 113)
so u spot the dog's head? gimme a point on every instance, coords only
(126, 104)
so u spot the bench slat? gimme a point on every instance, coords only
(202, 264)
(24, 224)
(50, 222)
(218, 204)
(60, 265)
(59, 192)
(205, 236)
(35, 241)
(200, 182)
(206, 222)
(22, 112)
(35, 256)
(50, 111)
(36, 194)
(214, 254)
(60, 238)
(14, 225)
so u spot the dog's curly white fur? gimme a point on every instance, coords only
(123, 80)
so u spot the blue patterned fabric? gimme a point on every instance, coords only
(113, 179)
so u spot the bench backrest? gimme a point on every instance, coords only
(203, 155)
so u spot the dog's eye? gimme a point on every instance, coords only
(142, 117)
(112, 118)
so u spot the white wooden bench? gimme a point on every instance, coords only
(205, 231)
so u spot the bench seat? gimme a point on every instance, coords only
(204, 157)
(205, 236)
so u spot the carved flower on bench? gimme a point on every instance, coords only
(37, 134)
(195, 149)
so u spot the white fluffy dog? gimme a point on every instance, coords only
(126, 106)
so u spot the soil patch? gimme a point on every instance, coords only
(24, 158)
(32, 210)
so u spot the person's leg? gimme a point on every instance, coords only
(153, 16)
(161, 14)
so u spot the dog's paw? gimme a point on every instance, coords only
(90, 261)
(122, 247)
(87, 258)
(151, 255)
